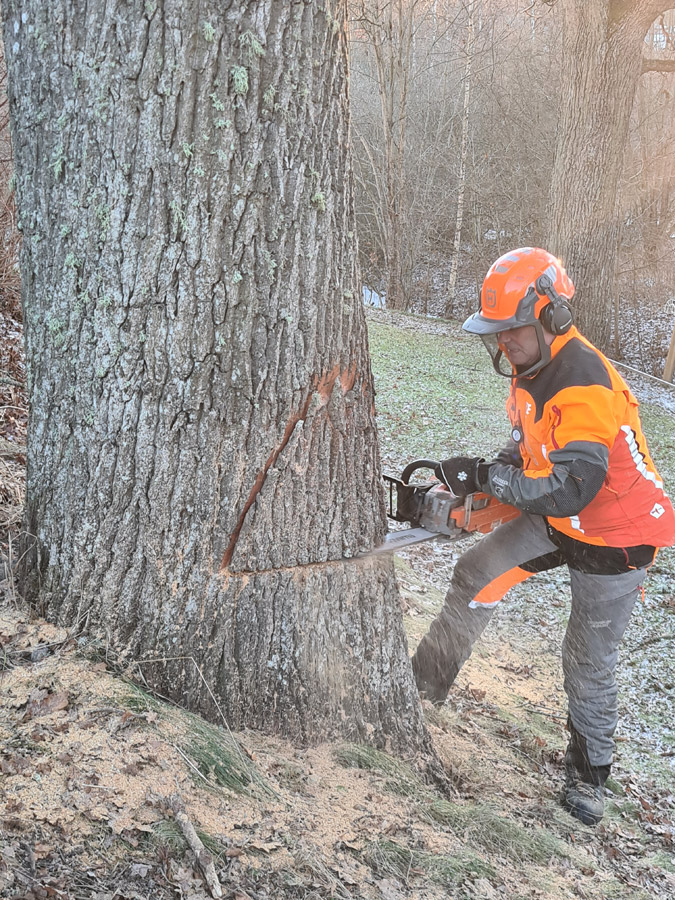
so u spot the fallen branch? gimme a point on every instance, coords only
(7, 379)
(204, 858)
(652, 640)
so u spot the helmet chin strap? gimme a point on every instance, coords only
(543, 360)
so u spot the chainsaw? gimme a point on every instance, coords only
(432, 510)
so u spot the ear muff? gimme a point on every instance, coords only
(556, 316)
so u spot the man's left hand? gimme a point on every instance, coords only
(460, 474)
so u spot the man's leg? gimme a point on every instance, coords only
(482, 576)
(601, 608)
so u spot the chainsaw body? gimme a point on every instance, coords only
(431, 506)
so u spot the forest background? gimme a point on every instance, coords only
(455, 109)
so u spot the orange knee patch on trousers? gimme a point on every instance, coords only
(495, 590)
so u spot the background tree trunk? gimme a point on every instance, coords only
(461, 178)
(388, 27)
(202, 445)
(601, 64)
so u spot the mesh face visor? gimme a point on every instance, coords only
(501, 363)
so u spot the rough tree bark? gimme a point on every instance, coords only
(601, 64)
(202, 444)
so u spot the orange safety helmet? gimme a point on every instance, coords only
(528, 286)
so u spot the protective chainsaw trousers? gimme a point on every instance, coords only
(601, 608)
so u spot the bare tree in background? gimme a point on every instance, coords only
(388, 27)
(644, 298)
(461, 186)
(466, 156)
(202, 448)
(489, 162)
(602, 60)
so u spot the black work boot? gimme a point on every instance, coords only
(584, 783)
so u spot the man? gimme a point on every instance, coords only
(578, 468)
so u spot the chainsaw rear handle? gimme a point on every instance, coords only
(415, 465)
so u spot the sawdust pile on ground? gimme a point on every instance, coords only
(88, 767)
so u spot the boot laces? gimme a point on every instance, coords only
(592, 791)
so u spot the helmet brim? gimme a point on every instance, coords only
(478, 324)
(524, 315)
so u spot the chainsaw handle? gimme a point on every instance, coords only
(415, 465)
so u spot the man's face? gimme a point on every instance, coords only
(520, 345)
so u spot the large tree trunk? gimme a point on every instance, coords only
(202, 446)
(601, 64)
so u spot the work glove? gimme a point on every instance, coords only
(463, 474)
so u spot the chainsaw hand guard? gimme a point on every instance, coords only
(432, 506)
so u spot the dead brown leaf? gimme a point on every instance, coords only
(266, 847)
(43, 703)
(13, 764)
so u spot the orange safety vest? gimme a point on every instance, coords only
(631, 507)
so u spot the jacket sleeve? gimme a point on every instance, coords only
(576, 476)
(583, 431)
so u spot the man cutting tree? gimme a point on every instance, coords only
(578, 468)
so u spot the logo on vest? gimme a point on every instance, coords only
(657, 511)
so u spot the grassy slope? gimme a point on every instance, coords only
(434, 394)
(438, 394)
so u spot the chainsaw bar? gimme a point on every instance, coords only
(396, 540)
